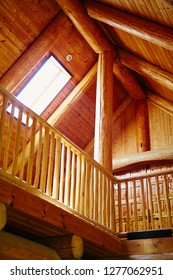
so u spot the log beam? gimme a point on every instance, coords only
(104, 111)
(141, 159)
(128, 80)
(13, 247)
(142, 126)
(144, 29)
(146, 69)
(3, 215)
(85, 25)
(160, 102)
(68, 247)
(74, 96)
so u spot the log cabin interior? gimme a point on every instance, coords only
(90, 175)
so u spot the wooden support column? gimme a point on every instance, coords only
(142, 125)
(104, 111)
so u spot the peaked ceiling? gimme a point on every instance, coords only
(139, 31)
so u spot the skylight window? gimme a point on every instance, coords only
(44, 86)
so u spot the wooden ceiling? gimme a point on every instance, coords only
(31, 30)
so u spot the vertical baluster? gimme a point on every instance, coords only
(39, 157)
(147, 203)
(112, 206)
(73, 178)
(127, 206)
(119, 207)
(2, 123)
(101, 197)
(168, 207)
(44, 160)
(95, 194)
(51, 164)
(56, 185)
(109, 203)
(116, 212)
(135, 205)
(8, 140)
(143, 204)
(22, 166)
(151, 202)
(61, 188)
(91, 194)
(158, 201)
(17, 142)
(82, 186)
(31, 158)
(78, 182)
(67, 177)
(104, 201)
(87, 189)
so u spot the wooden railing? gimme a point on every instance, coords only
(145, 202)
(41, 158)
(45, 162)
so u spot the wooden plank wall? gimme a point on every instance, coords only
(124, 137)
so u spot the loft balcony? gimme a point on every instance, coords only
(51, 188)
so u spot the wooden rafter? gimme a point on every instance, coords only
(144, 29)
(99, 42)
(146, 69)
(160, 102)
(85, 25)
(73, 97)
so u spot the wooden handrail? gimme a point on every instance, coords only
(46, 160)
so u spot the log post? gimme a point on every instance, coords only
(68, 247)
(104, 111)
(142, 125)
(3, 215)
(13, 247)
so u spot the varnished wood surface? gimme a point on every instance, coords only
(26, 41)
(35, 218)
